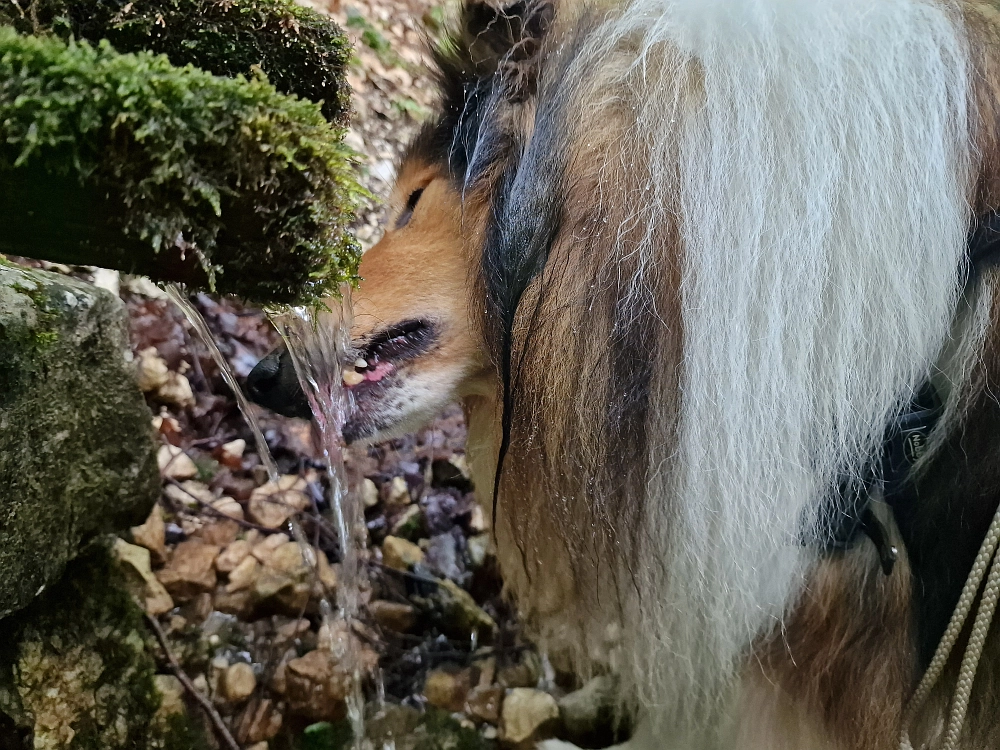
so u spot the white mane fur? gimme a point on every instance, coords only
(816, 155)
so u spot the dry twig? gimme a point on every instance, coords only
(225, 737)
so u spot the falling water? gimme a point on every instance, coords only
(177, 294)
(318, 343)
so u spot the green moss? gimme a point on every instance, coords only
(300, 51)
(439, 731)
(126, 161)
(207, 468)
(326, 736)
(43, 332)
(181, 732)
(82, 666)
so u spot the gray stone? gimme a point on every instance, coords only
(76, 449)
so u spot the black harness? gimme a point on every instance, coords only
(849, 513)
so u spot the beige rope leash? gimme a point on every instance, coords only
(986, 559)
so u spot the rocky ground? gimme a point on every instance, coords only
(238, 602)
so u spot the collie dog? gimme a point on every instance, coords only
(684, 263)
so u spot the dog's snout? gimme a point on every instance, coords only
(272, 384)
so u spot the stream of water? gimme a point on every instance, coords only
(318, 343)
(179, 298)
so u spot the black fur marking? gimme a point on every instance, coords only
(491, 61)
(526, 220)
(633, 351)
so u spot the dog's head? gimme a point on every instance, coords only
(416, 349)
(419, 344)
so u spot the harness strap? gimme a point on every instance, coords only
(849, 512)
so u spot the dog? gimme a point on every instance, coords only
(688, 266)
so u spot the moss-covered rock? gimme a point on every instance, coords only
(128, 162)
(300, 51)
(77, 669)
(76, 449)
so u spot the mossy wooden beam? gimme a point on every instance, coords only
(126, 161)
(300, 51)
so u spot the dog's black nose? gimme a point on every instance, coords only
(273, 385)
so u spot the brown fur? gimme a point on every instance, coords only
(846, 652)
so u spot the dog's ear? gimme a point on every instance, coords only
(493, 37)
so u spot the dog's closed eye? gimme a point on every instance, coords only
(411, 203)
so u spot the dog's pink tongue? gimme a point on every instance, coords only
(378, 372)
(372, 375)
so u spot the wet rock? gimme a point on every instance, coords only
(397, 492)
(524, 673)
(232, 556)
(243, 575)
(591, 708)
(238, 682)
(176, 391)
(478, 523)
(260, 721)
(239, 603)
(448, 688)
(392, 724)
(272, 504)
(369, 493)
(443, 509)
(142, 581)
(477, 548)
(315, 688)
(76, 452)
(230, 454)
(483, 703)
(442, 557)
(151, 370)
(393, 615)
(461, 613)
(528, 714)
(171, 695)
(153, 535)
(228, 507)
(266, 546)
(191, 570)
(220, 533)
(408, 524)
(174, 463)
(284, 579)
(400, 554)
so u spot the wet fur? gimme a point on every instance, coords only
(561, 323)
